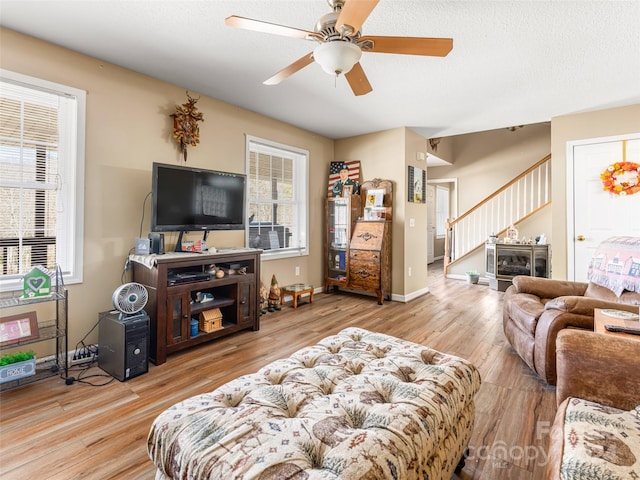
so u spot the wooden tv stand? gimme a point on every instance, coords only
(172, 296)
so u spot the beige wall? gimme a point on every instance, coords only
(438, 248)
(129, 128)
(484, 161)
(415, 238)
(444, 149)
(382, 156)
(567, 128)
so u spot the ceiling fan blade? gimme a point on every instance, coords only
(273, 28)
(290, 69)
(433, 47)
(353, 14)
(358, 80)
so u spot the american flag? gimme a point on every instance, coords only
(334, 172)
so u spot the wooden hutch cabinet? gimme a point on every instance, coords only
(342, 213)
(358, 248)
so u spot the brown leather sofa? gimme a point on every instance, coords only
(604, 369)
(537, 309)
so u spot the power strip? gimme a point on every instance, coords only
(83, 355)
(79, 361)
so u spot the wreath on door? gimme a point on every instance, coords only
(621, 178)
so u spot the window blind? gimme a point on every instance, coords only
(29, 177)
(277, 198)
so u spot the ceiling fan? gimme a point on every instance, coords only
(341, 42)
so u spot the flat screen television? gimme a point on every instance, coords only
(186, 199)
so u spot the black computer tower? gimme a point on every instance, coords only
(123, 344)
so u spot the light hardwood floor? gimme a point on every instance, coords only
(49, 430)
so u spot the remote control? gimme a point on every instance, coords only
(623, 329)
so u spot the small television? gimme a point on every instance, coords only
(186, 199)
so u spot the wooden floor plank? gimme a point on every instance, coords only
(62, 432)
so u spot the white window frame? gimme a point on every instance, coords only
(70, 217)
(442, 216)
(300, 156)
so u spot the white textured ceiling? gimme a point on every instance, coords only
(512, 63)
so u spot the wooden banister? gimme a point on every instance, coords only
(502, 189)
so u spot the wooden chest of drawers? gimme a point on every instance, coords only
(370, 258)
(365, 270)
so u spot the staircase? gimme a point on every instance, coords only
(523, 196)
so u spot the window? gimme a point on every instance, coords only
(277, 198)
(41, 178)
(442, 210)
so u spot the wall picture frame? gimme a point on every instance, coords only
(17, 329)
(417, 179)
(375, 198)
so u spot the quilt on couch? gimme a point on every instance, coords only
(599, 442)
(358, 405)
(616, 265)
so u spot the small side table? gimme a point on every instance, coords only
(296, 290)
(600, 320)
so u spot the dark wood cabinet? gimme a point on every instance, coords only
(247, 301)
(178, 316)
(176, 281)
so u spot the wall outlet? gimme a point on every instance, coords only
(412, 222)
(297, 271)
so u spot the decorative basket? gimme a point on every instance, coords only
(210, 320)
(16, 371)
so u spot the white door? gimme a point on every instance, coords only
(598, 214)
(431, 222)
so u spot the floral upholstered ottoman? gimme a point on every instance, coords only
(358, 405)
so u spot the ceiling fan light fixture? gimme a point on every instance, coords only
(337, 57)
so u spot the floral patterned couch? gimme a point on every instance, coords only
(358, 405)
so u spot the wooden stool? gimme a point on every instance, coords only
(296, 290)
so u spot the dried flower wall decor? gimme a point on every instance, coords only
(185, 125)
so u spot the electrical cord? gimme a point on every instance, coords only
(83, 375)
(127, 267)
(89, 355)
(83, 379)
(83, 350)
(127, 264)
(143, 205)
